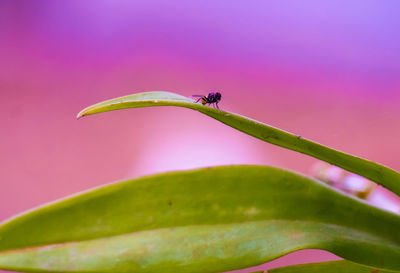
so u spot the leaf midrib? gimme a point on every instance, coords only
(272, 221)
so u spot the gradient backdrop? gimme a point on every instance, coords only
(326, 70)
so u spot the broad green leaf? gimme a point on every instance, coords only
(329, 267)
(207, 220)
(371, 170)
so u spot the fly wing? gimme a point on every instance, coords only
(198, 96)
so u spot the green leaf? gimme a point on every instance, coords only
(329, 267)
(371, 170)
(207, 220)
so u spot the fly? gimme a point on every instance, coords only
(213, 98)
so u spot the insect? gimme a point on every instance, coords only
(212, 98)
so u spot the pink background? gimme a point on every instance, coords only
(326, 70)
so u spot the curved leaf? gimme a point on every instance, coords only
(371, 170)
(207, 220)
(329, 267)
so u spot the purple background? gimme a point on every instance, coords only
(326, 70)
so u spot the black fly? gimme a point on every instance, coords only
(212, 98)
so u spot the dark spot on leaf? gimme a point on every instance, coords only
(169, 203)
(264, 136)
(375, 271)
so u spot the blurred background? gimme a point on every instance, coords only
(325, 70)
